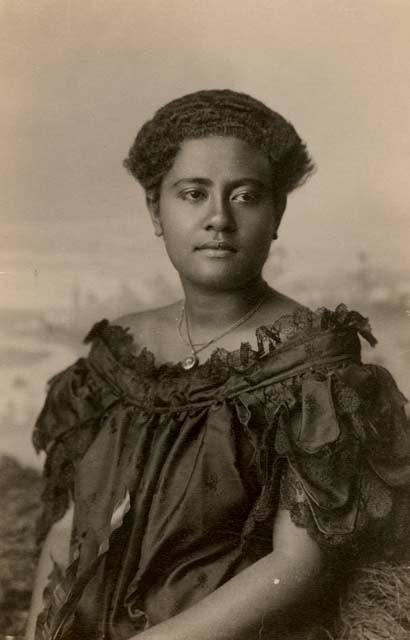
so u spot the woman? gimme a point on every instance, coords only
(223, 453)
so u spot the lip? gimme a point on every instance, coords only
(215, 245)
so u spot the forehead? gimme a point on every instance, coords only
(218, 156)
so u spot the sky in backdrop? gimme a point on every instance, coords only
(80, 77)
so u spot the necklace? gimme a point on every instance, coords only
(191, 361)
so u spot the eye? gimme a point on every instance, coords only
(193, 195)
(246, 197)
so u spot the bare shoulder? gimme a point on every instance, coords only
(280, 305)
(150, 327)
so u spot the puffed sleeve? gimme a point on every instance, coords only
(346, 441)
(64, 430)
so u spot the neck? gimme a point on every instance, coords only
(217, 309)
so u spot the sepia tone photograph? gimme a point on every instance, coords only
(205, 320)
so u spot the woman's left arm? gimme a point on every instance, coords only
(259, 599)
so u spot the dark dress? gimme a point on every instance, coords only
(177, 475)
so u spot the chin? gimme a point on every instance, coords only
(226, 281)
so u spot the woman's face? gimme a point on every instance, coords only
(219, 190)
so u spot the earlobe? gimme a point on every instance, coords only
(280, 207)
(153, 207)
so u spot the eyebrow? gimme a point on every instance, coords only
(233, 183)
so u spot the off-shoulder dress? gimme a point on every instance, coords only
(176, 476)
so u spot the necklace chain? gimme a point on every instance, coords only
(191, 361)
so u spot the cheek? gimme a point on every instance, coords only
(261, 231)
(259, 241)
(177, 243)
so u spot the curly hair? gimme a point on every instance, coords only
(218, 112)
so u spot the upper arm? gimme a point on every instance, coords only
(296, 545)
(59, 538)
(55, 550)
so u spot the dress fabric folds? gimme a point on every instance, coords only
(176, 476)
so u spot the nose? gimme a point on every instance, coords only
(220, 216)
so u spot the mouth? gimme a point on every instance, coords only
(218, 246)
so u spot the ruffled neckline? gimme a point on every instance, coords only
(286, 331)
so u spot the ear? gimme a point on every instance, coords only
(152, 200)
(280, 206)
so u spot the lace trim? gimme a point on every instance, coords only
(374, 515)
(292, 328)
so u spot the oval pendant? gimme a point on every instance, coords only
(189, 362)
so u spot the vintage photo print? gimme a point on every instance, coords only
(205, 320)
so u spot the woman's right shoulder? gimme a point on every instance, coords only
(137, 323)
(148, 327)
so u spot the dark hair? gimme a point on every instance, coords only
(223, 113)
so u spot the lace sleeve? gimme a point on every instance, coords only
(347, 445)
(64, 430)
